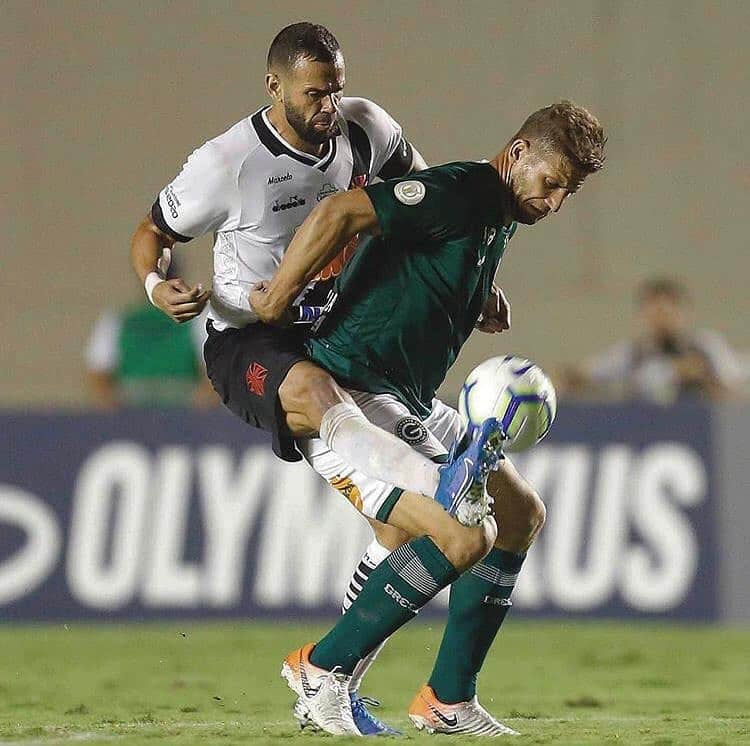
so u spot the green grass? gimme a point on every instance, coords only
(575, 683)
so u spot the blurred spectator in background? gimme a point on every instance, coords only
(139, 357)
(668, 360)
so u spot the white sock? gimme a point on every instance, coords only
(375, 452)
(373, 556)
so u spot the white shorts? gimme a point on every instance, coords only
(434, 436)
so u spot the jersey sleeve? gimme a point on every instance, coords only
(430, 204)
(383, 132)
(200, 199)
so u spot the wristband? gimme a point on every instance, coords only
(151, 281)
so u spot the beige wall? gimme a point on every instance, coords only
(104, 100)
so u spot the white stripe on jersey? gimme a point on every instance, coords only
(252, 190)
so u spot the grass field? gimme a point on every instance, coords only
(576, 683)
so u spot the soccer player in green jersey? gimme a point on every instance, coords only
(403, 307)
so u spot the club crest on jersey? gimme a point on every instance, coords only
(358, 182)
(409, 192)
(325, 191)
(411, 431)
(489, 234)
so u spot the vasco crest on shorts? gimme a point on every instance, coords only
(411, 431)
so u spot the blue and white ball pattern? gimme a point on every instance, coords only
(515, 391)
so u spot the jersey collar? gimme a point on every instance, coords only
(276, 145)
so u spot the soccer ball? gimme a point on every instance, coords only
(515, 391)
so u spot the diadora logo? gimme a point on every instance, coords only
(326, 190)
(278, 178)
(411, 431)
(288, 203)
(255, 378)
(399, 599)
(172, 202)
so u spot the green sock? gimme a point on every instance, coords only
(479, 601)
(396, 589)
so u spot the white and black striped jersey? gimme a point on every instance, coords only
(252, 190)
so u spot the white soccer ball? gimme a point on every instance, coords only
(515, 391)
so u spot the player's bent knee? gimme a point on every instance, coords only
(389, 537)
(534, 515)
(521, 524)
(307, 392)
(464, 546)
(540, 513)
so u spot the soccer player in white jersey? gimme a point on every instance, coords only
(252, 187)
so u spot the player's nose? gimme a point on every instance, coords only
(556, 199)
(327, 105)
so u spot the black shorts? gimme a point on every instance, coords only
(246, 367)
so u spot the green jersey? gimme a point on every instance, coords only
(408, 299)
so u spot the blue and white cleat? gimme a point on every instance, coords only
(461, 489)
(366, 722)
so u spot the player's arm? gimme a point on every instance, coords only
(175, 297)
(200, 199)
(405, 160)
(317, 242)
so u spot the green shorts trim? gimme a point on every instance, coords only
(388, 505)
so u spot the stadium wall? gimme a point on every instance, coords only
(169, 515)
(103, 101)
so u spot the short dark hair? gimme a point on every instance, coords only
(655, 287)
(571, 130)
(309, 40)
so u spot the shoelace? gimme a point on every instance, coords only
(369, 701)
(339, 684)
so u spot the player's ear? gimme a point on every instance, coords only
(518, 148)
(273, 86)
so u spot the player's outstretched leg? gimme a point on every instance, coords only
(367, 723)
(315, 404)
(479, 602)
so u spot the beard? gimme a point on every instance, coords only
(306, 130)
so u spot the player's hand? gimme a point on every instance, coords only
(495, 316)
(264, 308)
(179, 301)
